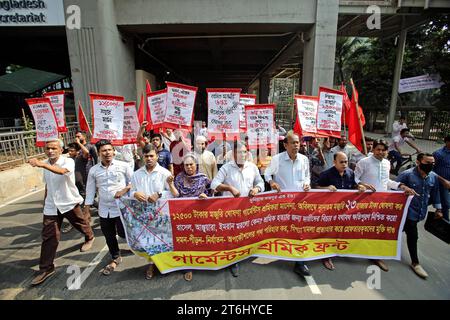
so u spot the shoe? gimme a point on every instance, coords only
(301, 269)
(66, 227)
(87, 245)
(235, 270)
(383, 266)
(150, 272)
(111, 266)
(328, 263)
(419, 271)
(40, 278)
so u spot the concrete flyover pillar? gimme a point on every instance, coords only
(320, 47)
(101, 57)
(264, 89)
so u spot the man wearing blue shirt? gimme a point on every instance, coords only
(425, 184)
(338, 177)
(442, 169)
(164, 155)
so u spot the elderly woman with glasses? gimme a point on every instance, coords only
(191, 183)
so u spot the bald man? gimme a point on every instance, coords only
(206, 160)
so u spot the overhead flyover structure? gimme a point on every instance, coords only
(218, 43)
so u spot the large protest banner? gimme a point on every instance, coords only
(306, 119)
(329, 112)
(130, 123)
(260, 120)
(180, 106)
(107, 118)
(214, 233)
(157, 106)
(57, 101)
(44, 120)
(223, 112)
(245, 100)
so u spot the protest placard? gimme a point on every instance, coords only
(130, 123)
(107, 119)
(180, 106)
(44, 120)
(157, 106)
(329, 112)
(306, 107)
(260, 119)
(223, 112)
(245, 100)
(57, 100)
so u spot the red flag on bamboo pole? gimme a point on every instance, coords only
(141, 109)
(355, 126)
(148, 88)
(84, 125)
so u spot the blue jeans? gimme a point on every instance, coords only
(397, 157)
(445, 200)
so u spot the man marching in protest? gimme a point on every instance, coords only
(238, 177)
(62, 199)
(111, 179)
(289, 170)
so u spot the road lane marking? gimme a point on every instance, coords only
(21, 197)
(312, 285)
(91, 266)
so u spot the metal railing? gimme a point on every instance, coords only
(18, 147)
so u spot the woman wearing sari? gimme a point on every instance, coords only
(190, 183)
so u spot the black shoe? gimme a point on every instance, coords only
(235, 270)
(301, 269)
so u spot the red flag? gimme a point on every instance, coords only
(346, 106)
(82, 120)
(141, 109)
(148, 88)
(148, 119)
(355, 133)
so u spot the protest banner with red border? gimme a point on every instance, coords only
(130, 123)
(57, 101)
(44, 120)
(245, 100)
(156, 108)
(306, 116)
(107, 118)
(260, 123)
(180, 106)
(329, 112)
(214, 233)
(223, 112)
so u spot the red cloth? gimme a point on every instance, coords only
(82, 119)
(355, 133)
(141, 110)
(148, 88)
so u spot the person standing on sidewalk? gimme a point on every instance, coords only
(289, 170)
(425, 183)
(111, 178)
(442, 169)
(373, 173)
(62, 200)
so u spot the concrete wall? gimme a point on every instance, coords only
(19, 181)
(141, 76)
(135, 12)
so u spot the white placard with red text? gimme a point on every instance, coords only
(157, 103)
(329, 112)
(57, 101)
(180, 106)
(107, 118)
(245, 100)
(44, 120)
(223, 111)
(260, 125)
(130, 123)
(307, 114)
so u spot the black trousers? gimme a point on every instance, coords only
(110, 228)
(412, 236)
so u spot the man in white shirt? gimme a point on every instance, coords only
(373, 173)
(289, 170)
(204, 130)
(397, 126)
(395, 152)
(126, 153)
(62, 199)
(357, 155)
(111, 179)
(150, 183)
(238, 178)
(206, 160)
(167, 138)
(342, 146)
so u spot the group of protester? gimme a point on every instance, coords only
(168, 164)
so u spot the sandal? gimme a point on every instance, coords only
(150, 272)
(111, 266)
(188, 276)
(328, 264)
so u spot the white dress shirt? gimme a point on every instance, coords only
(289, 174)
(107, 181)
(151, 182)
(125, 153)
(62, 194)
(372, 171)
(243, 180)
(397, 127)
(399, 140)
